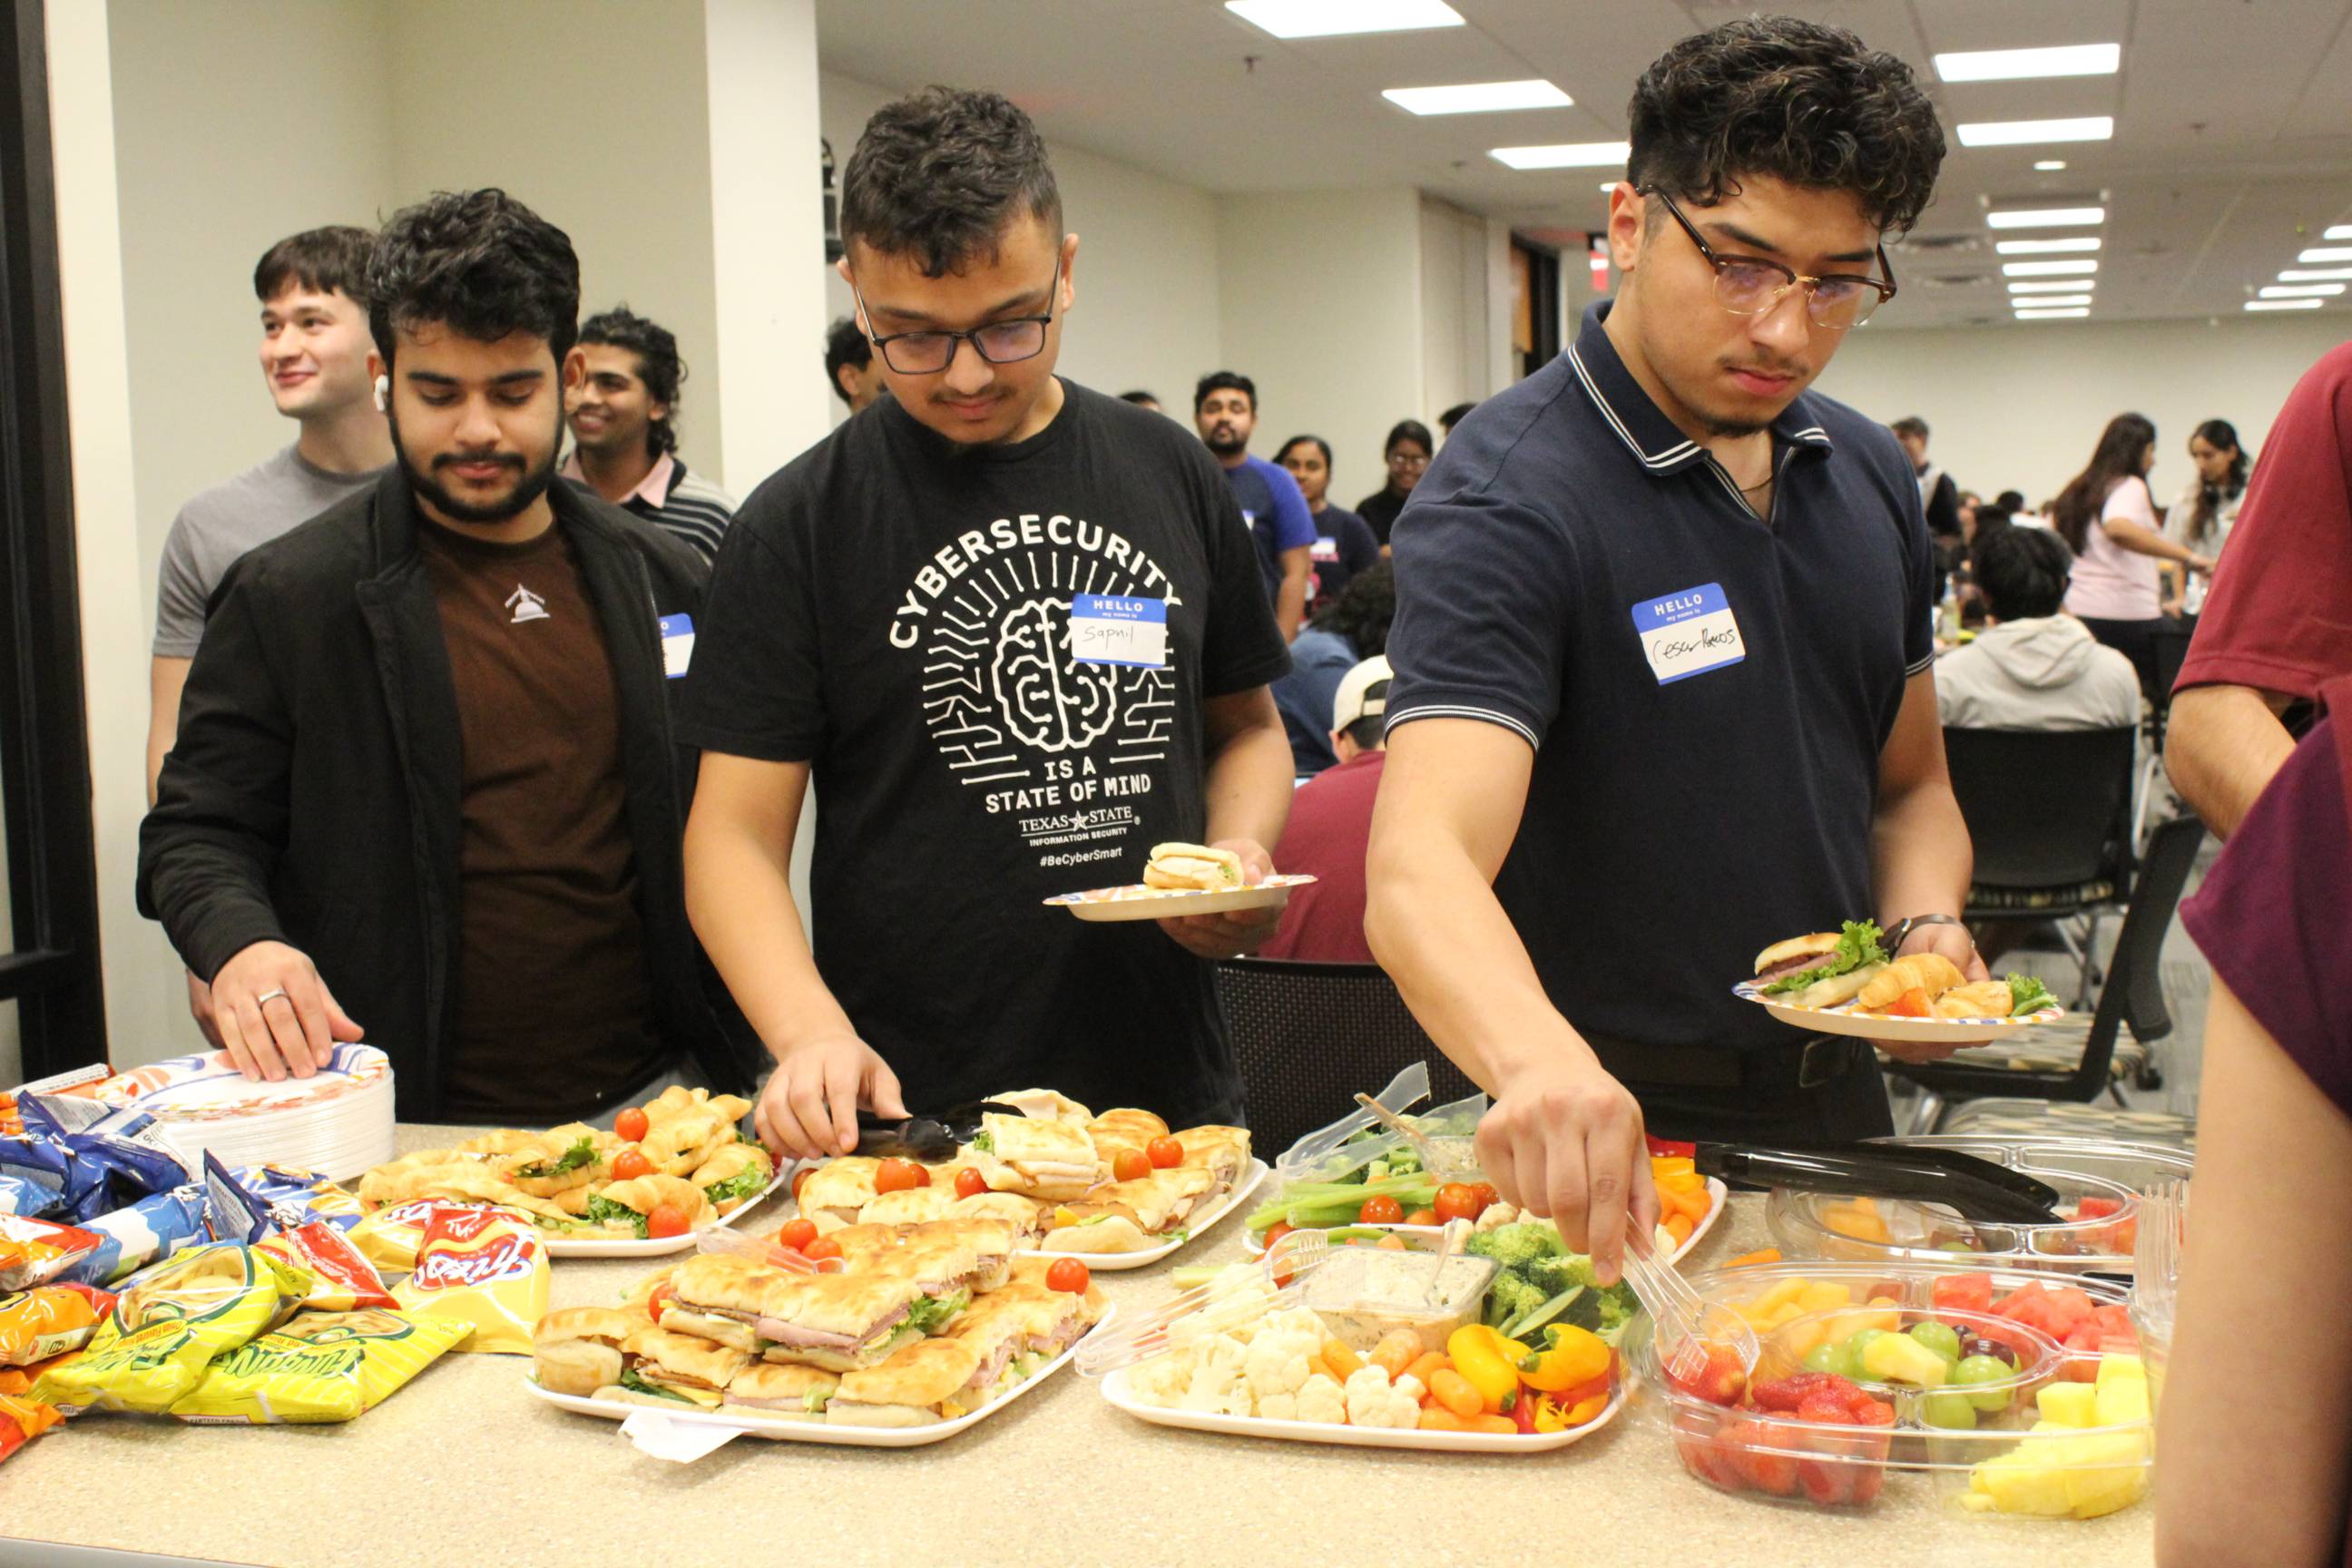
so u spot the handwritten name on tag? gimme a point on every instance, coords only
(1109, 630)
(1688, 633)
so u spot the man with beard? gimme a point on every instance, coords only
(624, 419)
(424, 782)
(1225, 410)
(1013, 631)
(1665, 691)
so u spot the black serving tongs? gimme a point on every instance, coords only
(928, 1139)
(1975, 1189)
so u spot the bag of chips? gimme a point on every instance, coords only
(485, 1267)
(342, 1280)
(390, 1236)
(298, 1197)
(169, 1323)
(321, 1366)
(34, 1251)
(108, 1162)
(22, 1420)
(48, 1320)
(19, 1380)
(147, 1232)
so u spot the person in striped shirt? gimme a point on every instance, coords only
(623, 417)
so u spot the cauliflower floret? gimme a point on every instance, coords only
(1219, 1386)
(1278, 1406)
(1321, 1398)
(1373, 1400)
(1279, 1359)
(1161, 1380)
(1498, 1215)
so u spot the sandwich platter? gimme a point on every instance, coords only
(561, 1246)
(1115, 1389)
(1845, 1019)
(689, 1421)
(1111, 1262)
(1138, 901)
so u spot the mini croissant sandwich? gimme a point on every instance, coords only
(1193, 868)
(578, 1350)
(623, 1208)
(1931, 973)
(1045, 1160)
(1127, 1216)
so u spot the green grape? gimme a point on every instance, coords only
(1824, 1357)
(1857, 1342)
(1941, 1338)
(1949, 1410)
(1983, 1369)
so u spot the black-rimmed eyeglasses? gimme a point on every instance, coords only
(999, 343)
(1749, 286)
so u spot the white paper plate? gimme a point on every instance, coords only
(1844, 1020)
(1137, 902)
(1115, 1389)
(1113, 1262)
(751, 1423)
(1717, 1195)
(561, 1246)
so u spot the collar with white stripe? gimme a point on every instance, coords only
(1647, 433)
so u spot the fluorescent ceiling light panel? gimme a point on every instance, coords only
(2302, 290)
(2058, 285)
(2047, 246)
(2020, 132)
(2019, 64)
(2046, 217)
(2054, 315)
(2340, 231)
(2049, 165)
(2325, 254)
(1564, 156)
(1331, 19)
(2048, 301)
(2285, 304)
(2314, 274)
(1478, 96)
(2046, 269)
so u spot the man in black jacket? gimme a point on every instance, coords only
(425, 782)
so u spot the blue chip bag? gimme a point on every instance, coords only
(147, 1232)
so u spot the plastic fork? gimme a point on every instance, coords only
(2156, 1254)
(1678, 1316)
(1441, 1166)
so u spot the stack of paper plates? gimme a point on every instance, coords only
(337, 1121)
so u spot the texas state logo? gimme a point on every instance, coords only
(1059, 738)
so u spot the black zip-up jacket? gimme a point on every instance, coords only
(312, 795)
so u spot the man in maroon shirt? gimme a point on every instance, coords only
(2278, 624)
(1330, 823)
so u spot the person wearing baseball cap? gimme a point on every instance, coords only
(1331, 824)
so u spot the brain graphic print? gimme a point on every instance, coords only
(1049, 699)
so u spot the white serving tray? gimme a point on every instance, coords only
(751, 1423)
(561, 1246)
(1115, 1389)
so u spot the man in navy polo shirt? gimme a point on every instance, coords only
(1664, 691)
(1225, 410)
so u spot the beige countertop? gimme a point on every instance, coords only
(464, 1466)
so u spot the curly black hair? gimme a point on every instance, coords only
(938, 176)
(1223, 381)
(479, 263)
(844, 345)
(331, 260)
(1363, 611)
(659, 365)
(1792, 100)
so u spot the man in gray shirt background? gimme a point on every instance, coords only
(321, 366)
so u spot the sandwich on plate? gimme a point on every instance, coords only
(1050, 1160)
(686, 1368)
(783, 1393)
(843, 1323)
(622, 1209)
(913, 1387)
(734, 1174)
(941, 1256)
(1222, 1151)
(837, 1189)
(1822, 969)
(716, 1295)
(1116, 1130)
(1192, 867)
(1016, 1331)
(1044, 1105)
(578, 1350)
(1127, 1216)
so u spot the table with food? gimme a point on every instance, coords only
(567, 1340)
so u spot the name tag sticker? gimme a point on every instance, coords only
(1108, 630)
(678, 643)
(1323, 549)
(1688, 633)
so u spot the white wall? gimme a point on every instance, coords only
(1321, 304)
(1146, 312)
(1458, 307)
(2013, 407)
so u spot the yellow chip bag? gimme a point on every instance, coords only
(168, 1324)
(389, 1237)
(483, 1267)
(321, 1366)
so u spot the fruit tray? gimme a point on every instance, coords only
(1999, 1391)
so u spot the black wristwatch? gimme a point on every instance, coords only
(1903, 929)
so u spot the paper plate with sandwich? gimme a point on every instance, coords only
(1181, 880)
(1844, 983)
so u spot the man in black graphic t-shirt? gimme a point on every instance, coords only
(1014, 633)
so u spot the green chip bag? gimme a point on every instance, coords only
(168, 1324)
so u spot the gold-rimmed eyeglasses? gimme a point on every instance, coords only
(1749, 286)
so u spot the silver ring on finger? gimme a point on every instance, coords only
(267, 998)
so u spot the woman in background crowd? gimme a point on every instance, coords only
(2201, 519)
(1344, 544)
(1407, 449)
(2108, 520)
(1355, 629)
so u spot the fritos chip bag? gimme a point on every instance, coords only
(50, 1320)
(21, 1421)
(321, 1366)
(342, 1280)
(169, 1323)
(486, 1267)
(33, 1251)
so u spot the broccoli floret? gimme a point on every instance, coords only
(1557, 1274)
(1604, 1313)
(1516, 1245)
(1509, 1296)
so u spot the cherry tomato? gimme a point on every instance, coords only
(1423, 1216)
(1380, 1211)
(1277, 1230)
(667, 1219)
(1458, 1200)
(1912, 1003)
(969, 1183)
(823, 1248)
(1165, 1153)
(800, 1178)
(631, 1124)
(1068, 1274)
(1488, 1196)
(1130, 1165)
(656, 1303)
(898, 1175)
(631, 1163)
(797, 1235)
